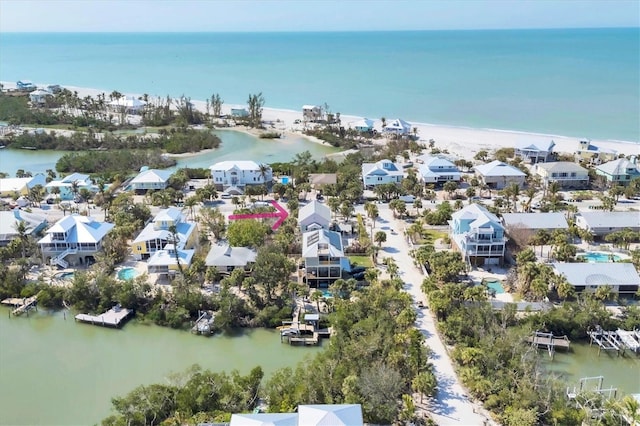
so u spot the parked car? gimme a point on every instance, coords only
(420, 304)
(225, 195)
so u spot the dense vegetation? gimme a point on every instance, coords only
(98, 162)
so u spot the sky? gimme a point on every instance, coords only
(310, 15)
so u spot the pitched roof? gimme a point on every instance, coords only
(79, 229)
(611, 219)
(314, 208)
(313, 243)
(382, 168)
(498, 168)
(166, 257)
(264, 419)
(152, 176)
(9, 218)
(598, 274)
(562, 166)
(171, 214)
(397, 125)
(437, 161)
(477, 213)
(16, 184)
(330, 415)
(535, 220)
(239, 164)
(183, 232)
(225, 255)
(528, 146)
(618, 167)
(364, 123)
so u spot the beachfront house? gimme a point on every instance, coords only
(9, 220)
(157, 234)
(384, 171)
(437, 170)
(40, 97)
(534, 153)
(165, 261)
(234, 176)
(127, 105)
(70, 186)
(324, 258)
(478, 235)
(363, 126)
(592, 154)
(311, 113)
(527, 224)
(73, 240)
(600, 223)
(622, 278)
(313, 216)
(226, 258)
(397, 127)
(565, 173)
(499, 175)
(619, 172)
(15, 187)
(25, 86)
(150, 179)
(239, 112)
(305, 415)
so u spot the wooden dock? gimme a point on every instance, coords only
(21, 305)
(618, 340)
(204, 324)
(548, 341)
(112, 318)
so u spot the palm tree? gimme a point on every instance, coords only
(317, 296)
(380, 238)
(174, 239)
(190, 203)
(22, 229)
(372, 213)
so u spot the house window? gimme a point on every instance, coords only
(139, 248)
(564, 175)
(573, 174)
(554, 175)
(379, 179)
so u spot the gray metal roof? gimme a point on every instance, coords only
(535, 220)
(611, 219)
(498, 168)
(225, 255)
(596, 274)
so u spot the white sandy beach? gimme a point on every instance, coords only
(459, 141)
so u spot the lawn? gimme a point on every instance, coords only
(361, 261)
(429, 236)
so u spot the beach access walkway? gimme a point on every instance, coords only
(451, 405)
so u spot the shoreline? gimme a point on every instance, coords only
(460, 141)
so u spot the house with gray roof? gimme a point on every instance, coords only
(227, 258)
(313, 216)
(9, 220)
(601, 223)
(619, 172)
(621, 277)
(384, 171)
(437, 169)
(478, 235)
(535, 221)
(534, 153)
(324, 258)
(564, 173)
(498, 175)
(151, 179)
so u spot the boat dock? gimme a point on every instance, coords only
(619, 340)
(204, 323)
(112, 318)
(303, 333)
(21, 305)
(548, 341)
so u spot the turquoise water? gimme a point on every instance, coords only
(65, 275)
(577, 82)
(496, 286)
(596, 257)
(326, 294)
(127, 274)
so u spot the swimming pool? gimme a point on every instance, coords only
(126, 274)
(65, 275)
(493, 284)
(599, 257)
(326, 294)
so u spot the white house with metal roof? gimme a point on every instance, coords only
(619, 172)
(313, 216)
(398, 127)
(21, 186)
(535, 221)
(151, 179)
(227, 258)
(166, 262)
(437, 169)
(73, 240)
(9, 220)
(601, 223)
(234, 176)
(498, 175)
(621, 277)
(365, 125)
(324, 257)
(565, 173)
(67, 184)
(384, 171)
(306, 415)
(40, 96)
(157, 234)
(478, 235)
(534, 153)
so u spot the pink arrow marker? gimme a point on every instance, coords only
(281, 214)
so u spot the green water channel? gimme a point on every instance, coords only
(58, 372)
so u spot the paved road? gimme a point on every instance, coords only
(450, 406)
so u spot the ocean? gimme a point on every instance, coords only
(574, 82)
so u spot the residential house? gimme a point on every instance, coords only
(25, 86)
(437, 170)
(324, 258)
(588, 277)
(166, 262)
(234, 176)
(226, 258)
(311, 113)
(305, 415)
(478, 235)
(40, 96)
(363, 126)
(151, 179)
(499, 175)
(534, 153)
(127, 105)
(73, 240)
(67, 185)
(10, 187)
(313, 216)
(601, 223)
(397, 127)
(384, 171)
(619, 172)
(565, 173)
(527, 224)
(239, 112)
(9, 220)
(592, 154)
(157, 234)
